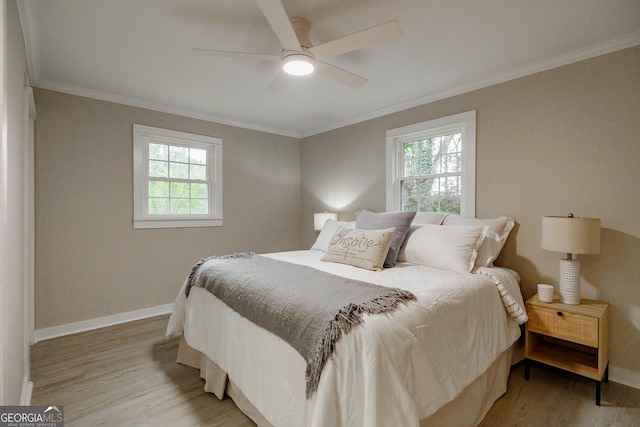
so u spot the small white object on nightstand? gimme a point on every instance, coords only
(545, 293)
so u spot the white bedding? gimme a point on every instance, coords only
(432, 348)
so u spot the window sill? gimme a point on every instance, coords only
(177, 223)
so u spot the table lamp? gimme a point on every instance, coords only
(570, 235)
(320, 218)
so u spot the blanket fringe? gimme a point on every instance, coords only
(344, 321)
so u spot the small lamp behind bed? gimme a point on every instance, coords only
(572, 236)
(320, 218)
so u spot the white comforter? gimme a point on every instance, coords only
(393, 370)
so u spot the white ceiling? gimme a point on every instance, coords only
(138, 52)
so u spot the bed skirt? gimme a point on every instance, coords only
(468, 409)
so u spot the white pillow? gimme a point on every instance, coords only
(499, 229)
(329, 229)
(424, 218)
(360, 248)
(444, 247)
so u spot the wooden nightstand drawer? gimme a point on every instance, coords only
(570, 337)
(567, 326)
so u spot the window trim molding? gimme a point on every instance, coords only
(141, 219)
(463, 122)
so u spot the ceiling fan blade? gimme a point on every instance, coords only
(278, 83)
(361, 39)
(340, 75)
(277, 16)
(232, 54)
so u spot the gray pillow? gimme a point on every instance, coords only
(401, 221)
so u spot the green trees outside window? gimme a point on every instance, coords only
(432, 174)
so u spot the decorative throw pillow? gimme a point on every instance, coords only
(499, 229)
(329, 229)
(401, 221)
(444, 247)
(360, 248)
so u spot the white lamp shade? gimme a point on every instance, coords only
(571, 235)
(320, 218)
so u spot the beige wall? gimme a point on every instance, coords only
(565, 140)
(90, 262)
(13, 347)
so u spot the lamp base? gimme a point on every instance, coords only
(569, 286)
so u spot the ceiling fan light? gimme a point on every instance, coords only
(298, 65)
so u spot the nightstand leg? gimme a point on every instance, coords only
(526, 369)
(597, 393)
(606, 373)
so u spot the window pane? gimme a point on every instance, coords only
(454, 143)
(198, 172)
(436, 145)
(197, 156)
(158, 152)
(179, 154)
(158, 189)
(178, 170)
(417, 194)
(448, 204)
(447, 199)
(199, 206)
(423, 204)
(430, 156)
(432, 195)
(180, 189)
(452, 163)
(179, 206)
(418, 157)
(158, 206)
(199, 191)
(158, 169)
(434, 157)
(417, 187)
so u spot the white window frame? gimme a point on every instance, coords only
(465, 123)
(142, 136)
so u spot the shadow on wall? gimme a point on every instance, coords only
(616, 274)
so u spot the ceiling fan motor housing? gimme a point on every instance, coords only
(302, 27)
(298, 63)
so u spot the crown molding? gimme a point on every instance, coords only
(593, 51)
(156, 106)
(27, 13)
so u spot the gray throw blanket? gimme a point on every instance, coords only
(306, 307)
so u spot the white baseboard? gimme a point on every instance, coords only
(100, 322)
(624, 376)
(27, 390)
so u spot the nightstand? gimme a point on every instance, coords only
(570, 337)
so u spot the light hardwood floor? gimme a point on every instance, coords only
(126, 375)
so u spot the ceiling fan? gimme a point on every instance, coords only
(300, 57)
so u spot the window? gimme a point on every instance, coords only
(431, 166)
(177, 179)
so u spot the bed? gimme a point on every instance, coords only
(440, 359)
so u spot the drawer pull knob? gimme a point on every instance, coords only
(560, 313)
